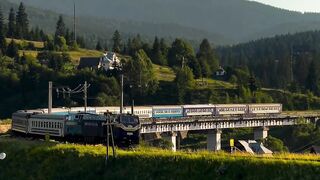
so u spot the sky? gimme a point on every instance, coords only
(297, 5)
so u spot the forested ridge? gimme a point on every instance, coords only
(101, 28)
(286, 61)
(220, 21)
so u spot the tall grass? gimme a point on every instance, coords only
(5, 121)
(49, 160)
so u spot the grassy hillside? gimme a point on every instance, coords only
(41, 160)
(75, 55)
(164, 73)
(23, 43)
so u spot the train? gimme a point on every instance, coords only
(178, 111)
(85, 126)
(90, 123)
(213, 110)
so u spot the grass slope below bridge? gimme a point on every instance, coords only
(46, 160)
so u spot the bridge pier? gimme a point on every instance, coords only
(173, 138)
(261, 133)
(214, 140)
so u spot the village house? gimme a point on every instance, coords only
(107, 61)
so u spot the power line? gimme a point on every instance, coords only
(81, 88)
(305, 146)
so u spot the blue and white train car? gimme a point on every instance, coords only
(198, 110)
(167, 111)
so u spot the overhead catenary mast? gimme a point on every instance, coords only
(74, 22)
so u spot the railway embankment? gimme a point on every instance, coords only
(51, 160)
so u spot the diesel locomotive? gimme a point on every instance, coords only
(89, 127)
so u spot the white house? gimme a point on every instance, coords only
(107, 61)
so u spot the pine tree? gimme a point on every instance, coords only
(68, 37)
(136, 45)
(22, 23)
(141, 73)
(184, 80)
(253, 84)
(206, 56)
(37, 35)
(164, 48)
(11, 24)
(98, 46)
(116, 42)
(12, 50)
(60, 30)
(157, 56)
(195, 66)
(312, 81)
(179, 53)
(3, 44)
(129, 46)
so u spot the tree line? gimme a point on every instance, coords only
(288, 62)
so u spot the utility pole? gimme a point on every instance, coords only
(121, 95)
(110, 132)
(74, 22)
(85, 96)
(291, 64)
(50, 97)
(132, 106)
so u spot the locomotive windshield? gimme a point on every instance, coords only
(126, 119)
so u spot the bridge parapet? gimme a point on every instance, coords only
(209, 123)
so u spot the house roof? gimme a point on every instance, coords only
(89, 62)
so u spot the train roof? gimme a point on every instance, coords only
(140, 107)
(198, 106)
(167, 106)
(267, 104)
(229, 105)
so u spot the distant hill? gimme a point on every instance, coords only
(238, 20)
(99, 27)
